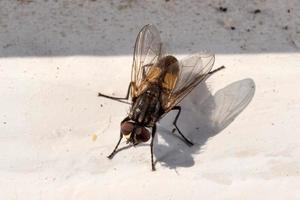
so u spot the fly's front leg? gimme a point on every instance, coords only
(115, 149)
(151, 146)
(174, 123)
(120, 99)
(121, 136)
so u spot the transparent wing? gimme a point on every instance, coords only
(192, 71)
(147, 52)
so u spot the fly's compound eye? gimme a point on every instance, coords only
(127, 128)
(142, 135)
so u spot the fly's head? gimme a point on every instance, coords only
(134, 133)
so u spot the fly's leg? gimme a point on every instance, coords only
(179, 111)
(174, 123)
(121, 136)
(216, 70)
(114, 151)
(151, 146)
(120, 99)
(144, 69)
(131, 84)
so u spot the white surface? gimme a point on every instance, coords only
(55, 56)
(49, 114)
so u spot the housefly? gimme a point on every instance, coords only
(158, 83)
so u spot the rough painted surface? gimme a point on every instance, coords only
(85, 27)
(55, 133)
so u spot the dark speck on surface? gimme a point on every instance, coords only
(222, 9)
(243, 46)
(101, 105)
(232, 28)
(257, 11)
(285, 27)
(288, 10)
(4, 122)
(7, 45)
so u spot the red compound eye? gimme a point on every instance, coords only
(144, 135)
(126, 128)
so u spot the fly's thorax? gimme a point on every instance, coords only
(146, 108)
(153, 91)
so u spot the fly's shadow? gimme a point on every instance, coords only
(204, 115)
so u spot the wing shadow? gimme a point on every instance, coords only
(203, 116)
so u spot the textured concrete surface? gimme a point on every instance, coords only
(91, 27)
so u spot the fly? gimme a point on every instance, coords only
(158, 83)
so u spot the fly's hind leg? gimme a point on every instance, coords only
(120, 99)
(216, 70)
(174, 123)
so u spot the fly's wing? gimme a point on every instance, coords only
(192, 70)
(147, 52)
